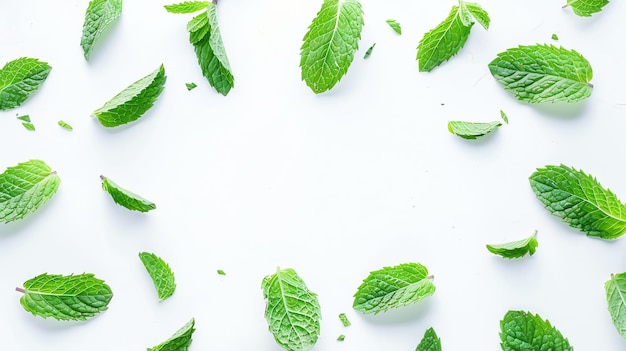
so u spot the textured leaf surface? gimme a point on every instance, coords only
(126, 198)
(19, 79)
(161, 274)
(344, 320)
(71, 297)
(523, 331)
(579, 200)
(99, 16)
(543, 73)
(516, 249)
(586, 8)
(180, 341)
(187, 7)
(616, 298)
(393, 287)
(24, 188)
(329, 45)
(292, 312)
(430, 341)
(477, 14)
(395, 26)
(472, 130)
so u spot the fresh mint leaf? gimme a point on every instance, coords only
(25, 118)
(523, 331)
(70, 297)
(393, 287)
(369, 51)
(504, 117)
(161, 274)
(616, 298)
(126, 198)
(344, 320)
(395, 26)
(543, 73)
(187, 7)
(99, 17)
(292, 311)
(579, 200)
(180, 341)
(24, 188)
(516, 249)
(472, 130)
(586, 8)
(132, 102)
(19, 79)
(430, 341)
(191, 86)
(329, 45)
(65, 125)
(29, 126)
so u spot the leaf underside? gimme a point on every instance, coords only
(616, 299)
(523, 331)
(187, 7)
(180, 341)
(126, 198)
(161, 274)
(99, 17)
(472, 130)
(586, 8)
(19, 79)
(430, 341)
(515, 249)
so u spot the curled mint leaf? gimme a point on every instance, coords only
(180, 341)
(523, 331)
(516, 249)
(161, 274)
(472, 130)
(99, 17)
(430, 341)
(586, 8)
(19, 79)
(126, 198)
(616, 298)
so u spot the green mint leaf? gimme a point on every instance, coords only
(369, 51)
(477, 13)
(472, 130)
(70, 297)
(161, 274)
(341, 337)
(180, 341)
(19, 79)
(329, 45)
(543, 73)
(430, 341)
(292, 311)
(523, 331)
(504, 117)
(555, 37)
(395, 26)
(29, 126)
(344, 320)
(616, 298)
(221, 272)
(516, 249)
(191, 86)
(126, 198)
(65, 125)
(99, 17)
(579, 200)
(393, 287)
(187, 7)
(25, 118)
(198, 27)
(24, 188)
(586, 8)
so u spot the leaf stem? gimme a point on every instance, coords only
(430, 277)
(215, 2)
(564, 6)
(20, 290)
(590, 85)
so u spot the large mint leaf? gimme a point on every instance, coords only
(99, 17)
(523, 331)
(586, 8)
(616, 298)
(329, 45)
(19, 79)
(161, 274)
(126, 198)
(180, 341)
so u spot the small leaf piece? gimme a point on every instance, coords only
(479, 15)
(430, 341)
(329, 45)
(393, 287)
(344, 320)
(504, 117)
(126, 198)
(25, 118)
(472, 130)
(616, 298)
(132, 102)
(543, 73)
(29, 126)
(555, 37)
(65, 125)
(71, 297)
(579, 200)
(19, 79)
(187, 7)
(341, 337)
(292, 312)
(24, 188)
(161, 274)
(523, 331)
(191, 86)
(369, 51)
(395, 26)
(180, 341)
(586, 8)
(516, 249)
(99, 17)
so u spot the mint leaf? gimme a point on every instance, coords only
(65, 125)
(24, 188)
(180, 341)
(99, 17)
(395, 26)
(221, 272)
(579, 200)
(393, 287)
(191, 86)
(369, 51)
(344, 320)
(430, 341)
(472, 130)
(543, 73)
(25, 118)
(523, 331)
(504, 117)
(616, 298)
(586, 8)
(19, 79)
(329, 45)
(161, 274)
(516, 249)
(555, 37)
(29, 126)
(187, 7)
(70, 297)
(292, 311)
(126, 198)
(341, 337)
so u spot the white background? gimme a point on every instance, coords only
(333, 185)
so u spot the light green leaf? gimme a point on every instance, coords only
(344, 320)
(395, 26)
(70, 297)
(198, 27)
(99, 17)
(478, 14)
(132, 102)
(221, 272)
(543, 73)
(180, 341)
(29, 126)
(369, 51)
(25, 118)
(430, 341)
(523, 331)
(161, 274)
(555, 37)
(19, 79)
(579, 200)
(472, 130)
(616, 298)
(393, 287)
(586, 8)
(516, 249)
(329, 45)
(191, 86)
(65, 125)
(187, 7)
(341, 337)
(504, 117)
(24, 188)
(126, 198)
(292, 311)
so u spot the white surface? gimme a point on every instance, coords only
(334, 186)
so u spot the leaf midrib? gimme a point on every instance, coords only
(30, 190)
(442, 36)
(327, 50)
(619, 291)
(284, 302)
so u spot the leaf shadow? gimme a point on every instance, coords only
(399, 315)
(51, 324)
(565, 110)
(15, 227)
